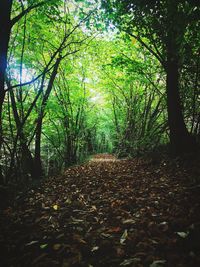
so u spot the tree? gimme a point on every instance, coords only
(6, 25)
(161, 26)
(5, 32)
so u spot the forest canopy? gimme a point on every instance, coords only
(81, 77)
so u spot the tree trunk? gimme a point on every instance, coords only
(180, 139)
(5, 12)
(5, 29)
(38, 162)
(26, 156)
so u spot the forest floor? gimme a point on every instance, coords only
(107, 213)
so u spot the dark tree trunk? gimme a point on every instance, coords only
(180, 139)
(27, 161)
(26, 156)
(38, 162)
(5, 12)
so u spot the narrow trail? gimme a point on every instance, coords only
(106, 213)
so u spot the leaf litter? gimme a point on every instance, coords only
(106, 213)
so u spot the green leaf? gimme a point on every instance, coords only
(42, 246)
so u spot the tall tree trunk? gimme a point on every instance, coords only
(5, 29)
(38, 161)
(26, 156)
(5, 13)
(180, 139)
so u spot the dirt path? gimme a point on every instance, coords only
(108, 213)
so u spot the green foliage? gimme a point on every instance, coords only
(108, 93)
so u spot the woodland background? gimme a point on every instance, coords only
(84, 77)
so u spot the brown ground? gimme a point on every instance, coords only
(106, 213)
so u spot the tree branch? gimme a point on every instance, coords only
(24, 12)
(148, 48)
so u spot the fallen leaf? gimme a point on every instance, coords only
(55, 207)
(158, 263)
(163, 223)
(79, 239)
(164, 226)
(120, 252)
(128, 221)
(114, 230)
(106, 235)
(183, 234)
(124, 237)
(94, 208)
(130, 261)
(68, 201)
(76, 221)
(94, 249)
(56, 246)
(42, 246)
(60, 236)
(32, 243)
